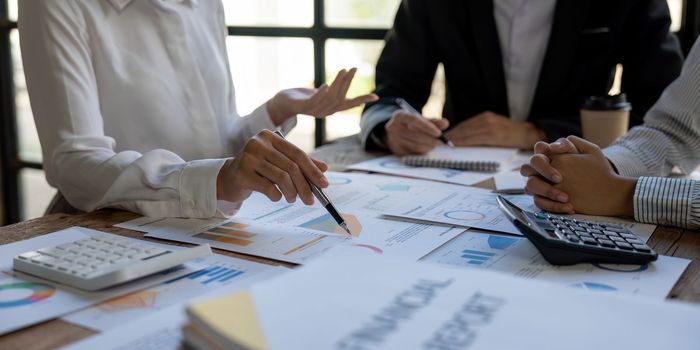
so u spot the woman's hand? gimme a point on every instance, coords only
(272, 166)
(320, 102)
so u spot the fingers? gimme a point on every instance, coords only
(417, 124)
(441, 124)
(554, 207)
(536, 186)
(584, 146)
(294, 183)
(356, 101)
(280, 178)
(541, 164)
(298, 157)
(320, 164)
(562, 146)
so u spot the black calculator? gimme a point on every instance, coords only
(567, 241)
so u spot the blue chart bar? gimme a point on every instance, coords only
(476, 257)
(212, 274)
(222, 275)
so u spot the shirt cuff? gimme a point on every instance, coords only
(625, 161)
(260, 120)
(198, 188)
(666, 201)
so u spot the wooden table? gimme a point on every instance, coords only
(666, 241)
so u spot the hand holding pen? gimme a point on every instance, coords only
(408, 132)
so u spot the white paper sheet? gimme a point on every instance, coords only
(161, 330)
(296, 232)
(27, 300)
(221, 271)
(518, 257)
(477, 208)
(510, 182)
(392, 165)
(362, 300)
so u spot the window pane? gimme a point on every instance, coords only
(293, 13)
(12, 9)
(340, 54)
(36, 193)
(263, 66)
(676, 7)
(361, 13)
(29, 147)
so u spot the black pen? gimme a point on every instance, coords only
(408, 108)
(325, 201)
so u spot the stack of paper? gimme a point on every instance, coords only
(354, 299)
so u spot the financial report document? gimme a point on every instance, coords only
(295, 232)
(392, 304)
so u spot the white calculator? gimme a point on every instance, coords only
(99, 262)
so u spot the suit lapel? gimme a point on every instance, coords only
(569, 17)
(488, 49)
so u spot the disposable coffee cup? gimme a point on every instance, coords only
(605, 118)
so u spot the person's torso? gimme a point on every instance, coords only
(161, 74)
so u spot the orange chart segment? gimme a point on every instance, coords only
(139, 300)
(326, 223)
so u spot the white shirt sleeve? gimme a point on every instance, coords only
(78, 158)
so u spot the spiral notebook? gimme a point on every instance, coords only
(482, 159)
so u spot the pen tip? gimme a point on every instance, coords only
(345, 227)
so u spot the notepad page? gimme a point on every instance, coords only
(477, 154)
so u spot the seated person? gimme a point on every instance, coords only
(626, 178)
(134, 105)
(516, 71)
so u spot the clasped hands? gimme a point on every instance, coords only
(571, 175)
(273, 166)
(406, 134)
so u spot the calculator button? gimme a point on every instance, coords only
(624, 245)
(593, 230)
(610, 233)
(634, 241)
(641, 248)
(615, 226)
(540, 216)
(595, 235)
(566, 231)
(583, 234)
(607, 243)
(572, 238)
(617, 239)
(590, 241)
(628, 235)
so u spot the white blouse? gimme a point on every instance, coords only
(134, 102)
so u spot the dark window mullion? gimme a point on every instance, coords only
(9, 159)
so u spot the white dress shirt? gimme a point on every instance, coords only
(133, 102)
(524, 27)
(670, 136)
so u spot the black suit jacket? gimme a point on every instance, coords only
(588, 38)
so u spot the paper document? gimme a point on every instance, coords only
(477, 208)
(220, 271)
(27, 300)
(382, 303)
(161, 329)
(510, 182)
(518, 257)
(296, 232)
(392, 165)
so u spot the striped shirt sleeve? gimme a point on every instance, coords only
(669, 137)
(667, 201)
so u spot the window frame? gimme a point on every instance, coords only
(11, 164)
